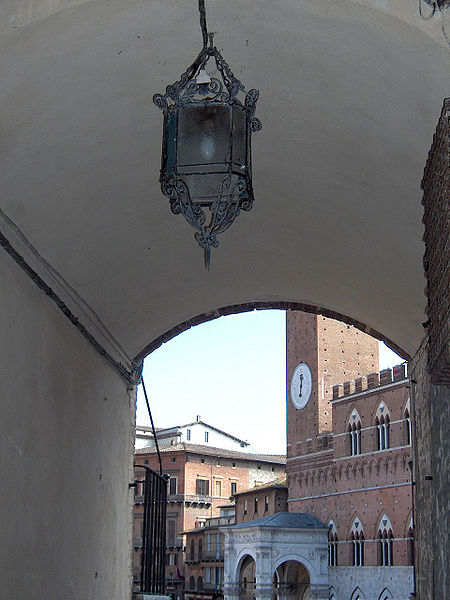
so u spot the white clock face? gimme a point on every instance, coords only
(301, 385)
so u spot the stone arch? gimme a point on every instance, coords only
(408, 523)
(409, 534)
(385, 537)
(405, 459)
(387, 462)
(357, 539)
(386, 595)
(298, 558)
(354, 432)
(396, 461)
(347, 471)
(246, 574)
(357, 594)
(292, 580)
(250, 306)
(332, 593)
(240, 559)
(333, 539)
(334, 473)
(382, 421)
(407, 430)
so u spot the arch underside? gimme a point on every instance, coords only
(350, 96)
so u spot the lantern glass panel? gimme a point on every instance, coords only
(239, 139)
(204, 135)
(171, 139)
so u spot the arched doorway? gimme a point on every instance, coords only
(292, 581)
(247, 578)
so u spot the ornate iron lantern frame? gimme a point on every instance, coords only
(206, 150)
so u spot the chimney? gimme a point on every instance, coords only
(199, 418)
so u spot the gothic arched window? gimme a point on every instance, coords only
(385, 543)
(354, 430)
(332, 545)
(357, 539)
(410, 536)
(408, 427)
(382, 424)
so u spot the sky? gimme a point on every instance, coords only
(231, 372)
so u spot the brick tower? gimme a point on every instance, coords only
(335, 352)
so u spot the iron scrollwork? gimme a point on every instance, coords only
(234, 191)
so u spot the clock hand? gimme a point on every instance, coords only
(301, 385)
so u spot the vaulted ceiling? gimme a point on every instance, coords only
(351, 92)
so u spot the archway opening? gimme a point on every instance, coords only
(292, 581)
(247, 578)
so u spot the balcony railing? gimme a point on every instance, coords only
(213, 554)
(206, 590)
(175, 543)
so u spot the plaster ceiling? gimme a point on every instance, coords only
(350, 97)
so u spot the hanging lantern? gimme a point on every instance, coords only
(206, 150)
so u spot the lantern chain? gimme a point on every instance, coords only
(202, 10)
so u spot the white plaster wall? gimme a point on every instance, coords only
(65, 453)
(215, 439)
(371, 581)
(264, 474)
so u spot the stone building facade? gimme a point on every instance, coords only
(201, 480)
(349, 453)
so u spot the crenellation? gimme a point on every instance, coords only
(373, 380)
(359, 384)
(369, 382)
(348, 385)
(385, 376)
(399, 372)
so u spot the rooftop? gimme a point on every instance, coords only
(275, 483)
(218, 452)
(284, 520)
(161, 431)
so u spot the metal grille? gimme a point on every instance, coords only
(153, 556)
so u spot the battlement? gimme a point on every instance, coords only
(370, 381)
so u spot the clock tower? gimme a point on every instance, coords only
(320, 352)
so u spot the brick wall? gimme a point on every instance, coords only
(436, 218)
(431, 456)
(270, 500)
(335, 352)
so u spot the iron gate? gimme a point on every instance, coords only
(153, 557)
